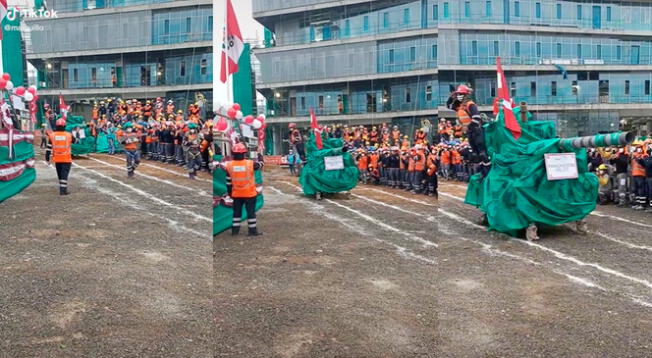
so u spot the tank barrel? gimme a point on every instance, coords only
(598, 140)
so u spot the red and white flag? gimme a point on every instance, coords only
(3, 13)
(316, 129)
(233, 44)
(63, 108)
(505, 103)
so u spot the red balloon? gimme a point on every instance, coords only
(248, 119)
(221, 125)
(232, 113)
(31, 90)
(6, 77)
(236, 106)
(3, 83)
(20, 90)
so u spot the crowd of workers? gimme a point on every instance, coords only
(154, 130)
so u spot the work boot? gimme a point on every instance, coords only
(235, 230)
(192, 176)
(62, 191)
(531, 233)
(582, 227)
(254, 232)
(130, 174)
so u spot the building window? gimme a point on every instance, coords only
(608, 13)
(492, 90)
(598, 52)
(406, 16)
(559, 11)
(391, 56)
(619, 53)
(579, 12)
(558, 50)
(385, 19)
(467, 9)
(512, 89)
(627, 88)
(75, 75)
(166, 27)
(321, 102)
(413, 54)
(435, 12)
(647, 87)
(210, 23)
(365, 23)
(517, 8)
(553, 88)
(203, 65)
(487, 9)
(496, 48)
(533, 89)
(474, 48)
(517, 49)
(574, 88)
(408, 95)
(182, 68)
(445, 10)
(434, 52)
(188, 21)
(303, 102)
(579, 50)
(538, 49)
(428, 93)
(537, 10)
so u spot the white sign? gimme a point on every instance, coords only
(334, 163)
(561, 166)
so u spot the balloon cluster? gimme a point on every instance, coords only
(235, 113)
(28, 94)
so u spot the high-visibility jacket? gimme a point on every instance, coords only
(363, 162)
(637, 169)
(373, 161)
(61, 147)
(96, 113)
(131, 140)
(457, 158)
(402, 161)
(445, 157)
(457, 131)
(463, 113)
(410, 164)
(431, 164)
(420, 164)
(243, 181)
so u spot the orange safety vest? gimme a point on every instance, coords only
(61, 147)
(363, 162)
(374, 161)
(420, 165)
(410, 164)
(242, 178)
(637, 169)
(432, 167)
(131, 141)
(457, 158)
(463, 113)
(445, 157)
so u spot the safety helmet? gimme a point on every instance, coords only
(602, 167)
(192, 126)
(158, 99)
(180, 111)
(43, 125)
(239, 148)
(60, 122)
(292, 125)
(463, 89)
(127, 125)
(46, 105)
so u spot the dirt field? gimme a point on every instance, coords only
(385, 273)
(119, 268)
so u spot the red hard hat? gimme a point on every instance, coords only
(239, 148)
(292, 125)
(462, 89)
(60, 122)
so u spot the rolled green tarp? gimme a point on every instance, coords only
(314, 176)
(598, 140)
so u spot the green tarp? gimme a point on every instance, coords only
(315, 177)
(516, 192)
(22, 152)
(103, 143)
(86, 145)
(222, 214)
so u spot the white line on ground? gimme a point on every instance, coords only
(429, 217)
(147, 195)
(166, 170)
(189, 188)
(402, 251)
(400, 196)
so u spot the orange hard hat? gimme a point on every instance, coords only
(463, 89)
(239, 148)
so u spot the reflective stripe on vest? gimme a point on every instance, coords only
(61, 147)
(242, 178)
(463, 114)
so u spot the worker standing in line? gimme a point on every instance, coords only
(241, 186)
(59, 147)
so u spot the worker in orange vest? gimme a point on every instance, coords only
(431, 173)
(60, 149)
(419, 158)
(409, 180)
(241, 186)
(130, 139)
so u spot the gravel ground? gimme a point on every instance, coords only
(384, 273)
(119, 268)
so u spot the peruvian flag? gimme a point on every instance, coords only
(504, 102)
(316, 128)
(3, 12)
(63, 108)
(233, 44)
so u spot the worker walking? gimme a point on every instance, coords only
(241, 187)
(130, 140)
(59, 148)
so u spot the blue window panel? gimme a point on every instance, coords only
(446, 13)
(385, 19)
(365, 24)
(487, 10)
(467, 9)
(608, 13)
(579, 50)
(517, 49)
(598, 52)
(406, 16)
(537, 10)
(538, 49)
(496, 48)
(391, 56)
(433, 52)
(619, 53)
(413, 54)
(435, 12)
(517, 8)
(474, 48)
(559, 11)
(558, 50)
(579, 12)
(312, 33)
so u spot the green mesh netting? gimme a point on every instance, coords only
(22, 151)
(222, 214)
(516, 192)
(315, 177)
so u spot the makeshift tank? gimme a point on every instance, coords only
(517, 194)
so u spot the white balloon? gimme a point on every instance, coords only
(10, 85)
(262, 118)
(238, 115)
(28, 97)
(32, 86)
(256, 124)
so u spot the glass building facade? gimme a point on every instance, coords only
(585, 64)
